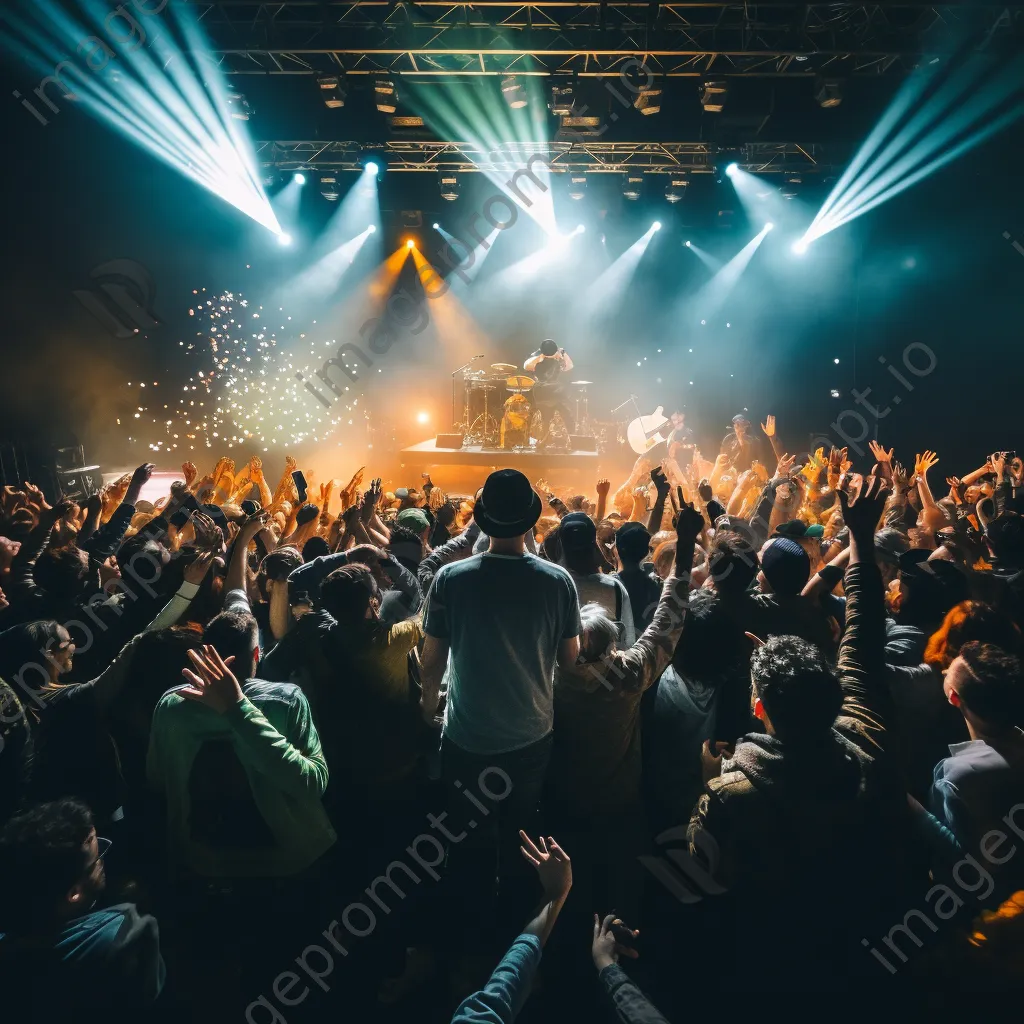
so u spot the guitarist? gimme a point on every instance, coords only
(547, 364)
(680, 440)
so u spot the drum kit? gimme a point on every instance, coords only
(498, 411)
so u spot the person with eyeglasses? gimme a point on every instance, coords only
(62, 952)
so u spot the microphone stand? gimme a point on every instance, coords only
(455, 373)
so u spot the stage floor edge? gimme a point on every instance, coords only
(429, 454)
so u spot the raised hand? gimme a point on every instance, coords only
(190, 472)
(139, 480)
(208, 535)
(211, 681)
(880, 454)
(608, 944)
(863, 500)
(552, 864)
(34, 496)
(900, 480)
(559, 506)
(603, 487)
(704, 491)
(196, 570)
(957, 489)
(371, 499)
(255, 468)
(769, 426)
(784, 470)
(660, 482)
(998, 461)
(924, 462)
(689, 523)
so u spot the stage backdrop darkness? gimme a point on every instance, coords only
(931, 268)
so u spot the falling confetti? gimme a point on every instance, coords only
(241, 385)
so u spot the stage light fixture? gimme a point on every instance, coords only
(632, 187)
(577, 186)
(648, 101)
(334, 95)
(687, 243)
(656, 226)
(372, 168)
(449, 185)
(513, 91)
(731, 169)
(713, 94)
(580, 228)
(835, 393)
(800, 247)
(410, 244)
(371, 228)
(300, 178)
(768, 226)
(284, 238)
(436, 226)
(423, 417)
(562, 100)
(676, 189)
(239, 106)
(329, 186)
(385, 95)
(828, 92)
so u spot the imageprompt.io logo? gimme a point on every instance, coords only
(120, 297)
(687, 880)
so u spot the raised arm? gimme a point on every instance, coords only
(509, 986)
(921, 466)
(236, 574)
(611, 941)
(768, 427)
(645, 661)
(297, 769)
(661, 487)
(861, 665)
(603, 487)
(452, 551)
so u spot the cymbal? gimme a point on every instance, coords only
(581, 382)
(504, 367)
(521, 383)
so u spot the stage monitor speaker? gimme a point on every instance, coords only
(582, 443)
(448, 441)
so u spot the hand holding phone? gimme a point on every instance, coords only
(300, 485)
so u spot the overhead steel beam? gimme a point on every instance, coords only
(590, 38)
(591, 156)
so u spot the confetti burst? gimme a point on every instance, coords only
(240, 384)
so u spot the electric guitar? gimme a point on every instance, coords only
(644, 433)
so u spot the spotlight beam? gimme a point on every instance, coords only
(711, 297)
(607, 291)
(158, 101)
(951, 117)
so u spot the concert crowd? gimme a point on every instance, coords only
(749, 724)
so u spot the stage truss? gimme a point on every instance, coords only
(591, 157)
(552, 37)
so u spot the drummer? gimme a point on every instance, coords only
(547, 364)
